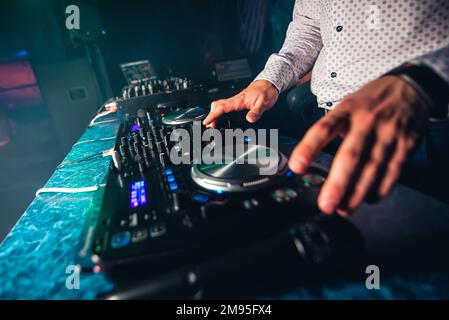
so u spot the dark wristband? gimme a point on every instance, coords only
(430, 86)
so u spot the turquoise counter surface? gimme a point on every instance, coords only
(36, 253)
(44, 242)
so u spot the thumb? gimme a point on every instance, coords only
(256, 111)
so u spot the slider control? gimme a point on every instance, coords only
(175, 202)
(162, 159)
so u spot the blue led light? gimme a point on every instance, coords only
(168, 171)
(21, 54)
(199, 197)
(247, 139)
(173, 186)
(120, 240)
(289, 173)
(171, 178)
(218, 191)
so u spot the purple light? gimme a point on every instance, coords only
(135, 128)
(138, 194)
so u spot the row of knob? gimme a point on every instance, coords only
(147, 143)
(155, 86)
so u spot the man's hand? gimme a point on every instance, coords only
(381, 123)
(258, 97)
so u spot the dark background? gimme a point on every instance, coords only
(40, 62)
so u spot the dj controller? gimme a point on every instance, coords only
(161, 220)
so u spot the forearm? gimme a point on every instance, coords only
(300, 50)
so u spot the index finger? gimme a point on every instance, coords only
(315, 139)
(220, 107)
(344, 168)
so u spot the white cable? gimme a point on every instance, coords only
(107, 104)
(106, 153)
(68, 190)
(104, 121)
(109, 107)
(100, 115)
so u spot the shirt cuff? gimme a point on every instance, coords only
(259, 77)
(280, 74)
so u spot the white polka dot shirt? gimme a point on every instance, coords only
(348, 43)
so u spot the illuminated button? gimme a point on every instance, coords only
(312, 180)
(133, 220)
(201, 198)
(250, 203)
(168, 171)
(284, 195)
(173, 186)
(158, 230)
(139, 235)
(98, 248)
(171, 178)
(291, 193)
(135, 128)
(120, 240)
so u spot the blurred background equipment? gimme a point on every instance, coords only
(135, 72)
(71, 103)
(233, 70)
(88, 39)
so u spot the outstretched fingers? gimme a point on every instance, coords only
(316, 138)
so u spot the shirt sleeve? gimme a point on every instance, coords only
(438, 61)
(300, 49)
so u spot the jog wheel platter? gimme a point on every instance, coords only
(185, 116)
(256, 167)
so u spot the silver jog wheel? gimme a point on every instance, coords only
(238, 174)
(184, 116)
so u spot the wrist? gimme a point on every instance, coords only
(410, 93)
(430, 88)
(265, 85)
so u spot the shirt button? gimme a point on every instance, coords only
(333, 74)
(339, 28)
(329, 104)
